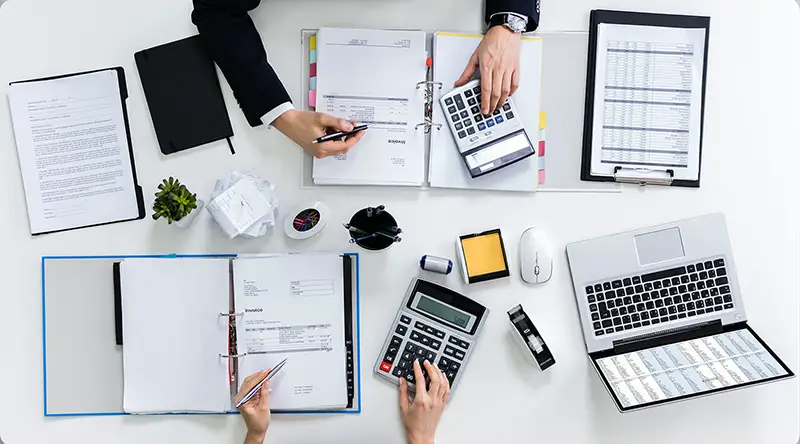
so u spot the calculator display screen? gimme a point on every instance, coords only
(443, 312)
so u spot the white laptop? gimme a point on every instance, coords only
(662, 314)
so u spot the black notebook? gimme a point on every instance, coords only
(183, 93)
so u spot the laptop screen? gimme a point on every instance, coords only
(686, 369)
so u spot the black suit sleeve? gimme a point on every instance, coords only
(529, 8)
(235, 45)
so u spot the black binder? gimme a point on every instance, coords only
(123, 93)
(640, 19)
(183, 94)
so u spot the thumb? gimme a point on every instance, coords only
(404, 403)
(469, 70)
(328, 121)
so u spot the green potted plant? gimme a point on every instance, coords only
(176, 203)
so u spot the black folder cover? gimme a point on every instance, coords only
(123, 96)
(183, 93)
(641, 19)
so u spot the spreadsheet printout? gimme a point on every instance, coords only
(689, 367)
(648, 99)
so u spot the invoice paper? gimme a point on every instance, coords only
(689, 367)
(648, 99)
(293, 307)
(73, 151)
(370, 77)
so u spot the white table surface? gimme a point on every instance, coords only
(750, 164)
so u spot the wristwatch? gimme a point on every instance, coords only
(514, 22)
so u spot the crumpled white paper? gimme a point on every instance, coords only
(267, 190)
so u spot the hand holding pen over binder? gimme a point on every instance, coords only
(253, 403)
(305, 127)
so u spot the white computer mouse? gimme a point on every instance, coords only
(535, 256)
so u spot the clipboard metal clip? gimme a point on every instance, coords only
(644, 176)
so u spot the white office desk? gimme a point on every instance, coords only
(750, 164)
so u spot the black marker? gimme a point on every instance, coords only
(340, 134)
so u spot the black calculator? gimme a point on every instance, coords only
(487, 142)
(436, 324)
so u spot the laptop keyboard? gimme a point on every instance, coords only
(647, 299)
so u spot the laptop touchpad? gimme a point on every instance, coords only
(659, 246)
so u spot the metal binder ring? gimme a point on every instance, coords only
(428, 125)
(429, 82)
(231, 314)
(232, 356)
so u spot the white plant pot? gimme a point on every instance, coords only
(186, 221)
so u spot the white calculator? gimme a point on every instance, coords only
(436, 324)
(488, 142)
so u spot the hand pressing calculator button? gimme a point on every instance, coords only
(482, 150)
(437, 317)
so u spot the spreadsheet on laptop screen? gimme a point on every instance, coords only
(689, 368)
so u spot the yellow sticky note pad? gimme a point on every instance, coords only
(484, 256)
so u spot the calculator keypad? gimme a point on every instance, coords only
(422, 342)
(471, 127)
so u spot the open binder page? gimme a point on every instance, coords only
(648, 100)
(174, 335)
(293, 308)
(370, 77)
(73, 151)
(447, 170)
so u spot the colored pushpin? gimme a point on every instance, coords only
(429, 62)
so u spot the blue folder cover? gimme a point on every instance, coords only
(349, 338)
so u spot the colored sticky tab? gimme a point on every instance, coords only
(541, 148)
(312, 83)
(312, 99)
(313, 42)
(541, 177)
(313, 56)
(542, 120)
(313, 70)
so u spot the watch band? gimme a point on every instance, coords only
(502, 19)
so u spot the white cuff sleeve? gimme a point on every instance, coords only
(276, 112)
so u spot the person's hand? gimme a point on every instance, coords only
(255, 412)
(303, 127)
(422, 416)
(498, 59)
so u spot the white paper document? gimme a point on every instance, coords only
(174, 335)
(293, 307)
(73, 151)
(370, 77)
(451, 54)
(648, 100)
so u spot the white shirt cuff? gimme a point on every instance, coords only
(276, 112)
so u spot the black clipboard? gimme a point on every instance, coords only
(183, 95)
(641, 19)
(123, 96)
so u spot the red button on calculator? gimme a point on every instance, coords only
(385, 366)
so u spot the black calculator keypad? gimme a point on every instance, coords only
(422, 343)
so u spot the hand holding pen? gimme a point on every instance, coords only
(305, 127)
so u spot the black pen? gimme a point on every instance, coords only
(340, 134)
